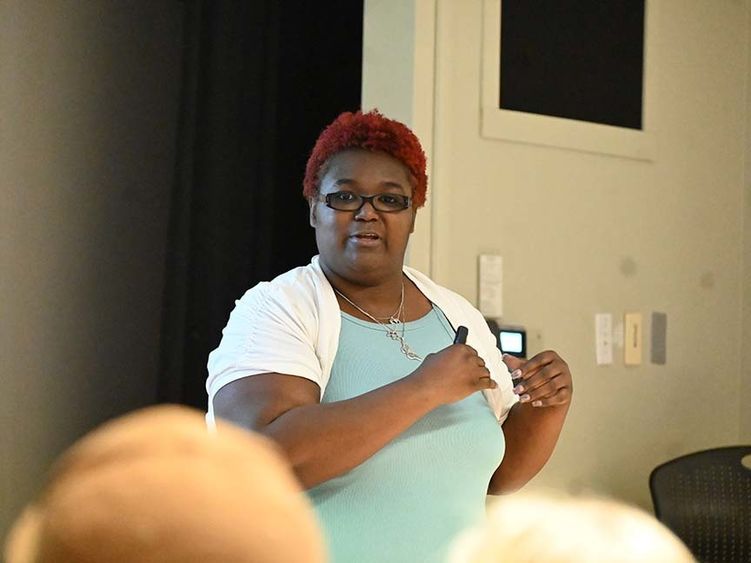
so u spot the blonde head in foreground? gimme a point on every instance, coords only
(527, 528)
(156, 487)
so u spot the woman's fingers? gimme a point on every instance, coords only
(545, 380)
(539, 378)
(544, 391)
(486, 383)
(560, 397)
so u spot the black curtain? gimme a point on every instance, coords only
(261, 79)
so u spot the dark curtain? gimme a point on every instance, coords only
(261, 79)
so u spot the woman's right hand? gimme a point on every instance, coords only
(453, 374)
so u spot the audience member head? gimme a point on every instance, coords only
(527, 528)
(157, 487)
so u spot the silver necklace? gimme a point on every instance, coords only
(393, 318)
(393, 321)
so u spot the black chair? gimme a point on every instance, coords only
(705, 499)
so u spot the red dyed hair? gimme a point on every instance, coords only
(370, 131)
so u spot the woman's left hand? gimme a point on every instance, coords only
(542, 381)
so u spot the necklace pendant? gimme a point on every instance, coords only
(407, 351)
(393, 321)
(411, 355)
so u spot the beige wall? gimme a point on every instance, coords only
(398, 76)
(586, 233)
(745, 391)
(88, 107)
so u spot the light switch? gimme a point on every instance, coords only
(491, 286)
(604, 339)
(632, 339)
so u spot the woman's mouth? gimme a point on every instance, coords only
(366, 239)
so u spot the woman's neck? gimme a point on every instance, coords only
(379, 297)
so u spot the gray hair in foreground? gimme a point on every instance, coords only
(526, 528)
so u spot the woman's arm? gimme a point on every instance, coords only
(534, 424)
(323, 440)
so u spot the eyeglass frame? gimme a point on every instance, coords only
(325, 198)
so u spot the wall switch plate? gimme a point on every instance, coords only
(604, 339)
(632, 339)
(491, 286)
(658, 350)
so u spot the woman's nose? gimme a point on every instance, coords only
(366, 212)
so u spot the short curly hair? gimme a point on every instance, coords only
(370, 131)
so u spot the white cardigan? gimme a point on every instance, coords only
(291, 325)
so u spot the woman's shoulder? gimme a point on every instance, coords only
(295, 283)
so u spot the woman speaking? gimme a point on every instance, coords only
(349, 364)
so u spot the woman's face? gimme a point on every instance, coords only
(365, 246)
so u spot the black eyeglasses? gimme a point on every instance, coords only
(350, 201)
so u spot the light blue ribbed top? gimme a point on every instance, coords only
(409, 500)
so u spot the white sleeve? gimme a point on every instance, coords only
(502, 398)
(270, 330)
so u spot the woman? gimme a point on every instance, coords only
(348, 363)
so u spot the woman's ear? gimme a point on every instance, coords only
(414, 216)
(312, 204)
